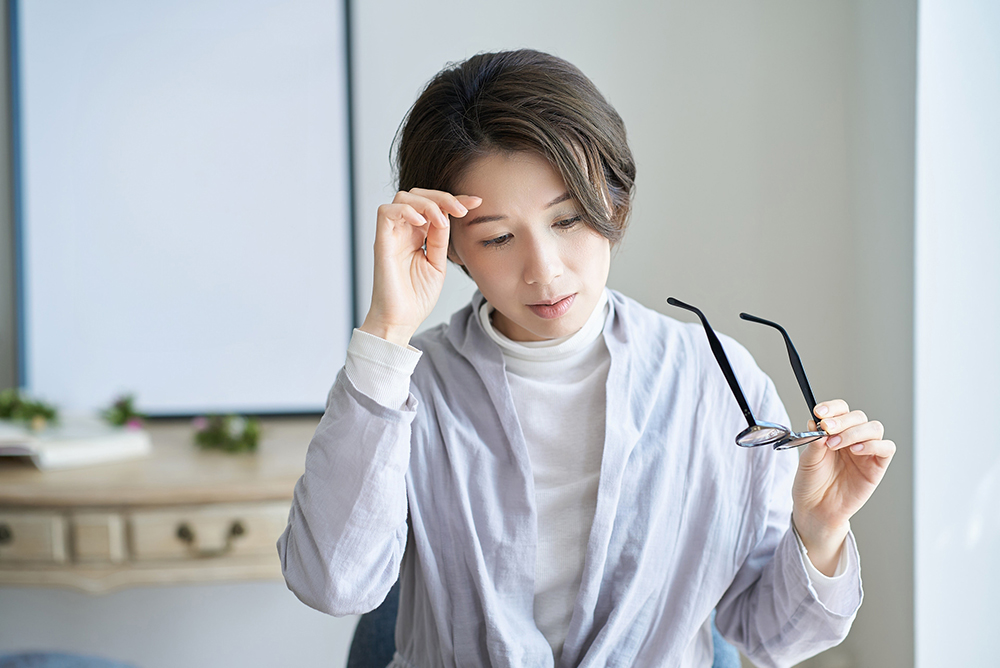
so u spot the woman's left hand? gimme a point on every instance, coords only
(836, 476)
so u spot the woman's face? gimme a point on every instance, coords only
(527, 247)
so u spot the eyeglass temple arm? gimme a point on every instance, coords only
(720, 357)
(793, 357)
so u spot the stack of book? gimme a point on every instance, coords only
(74, 441)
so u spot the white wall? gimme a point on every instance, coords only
(184, 209)
(957, 448)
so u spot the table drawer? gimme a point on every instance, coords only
(98, 537)
(37, 537)
(193, 532)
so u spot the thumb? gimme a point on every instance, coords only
(437, 246)
(812, 454)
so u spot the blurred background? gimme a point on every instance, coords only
(829, 165)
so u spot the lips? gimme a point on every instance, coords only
(549, 302)
(553, 309)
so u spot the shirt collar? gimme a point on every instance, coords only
(550, 349)
(466, 334)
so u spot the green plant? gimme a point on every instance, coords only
(16, 406)
(123, 413)
(230, 433)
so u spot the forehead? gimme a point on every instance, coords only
(519, 181)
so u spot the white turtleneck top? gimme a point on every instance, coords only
(558, 387)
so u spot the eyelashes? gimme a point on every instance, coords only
(499, 241)
(569, 222)
(502, 240)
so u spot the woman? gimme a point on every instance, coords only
(552, 474)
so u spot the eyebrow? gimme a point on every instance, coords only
(488, 219)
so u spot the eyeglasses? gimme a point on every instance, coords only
(759, 432)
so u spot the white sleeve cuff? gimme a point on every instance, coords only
(836, 591)
(381, 369)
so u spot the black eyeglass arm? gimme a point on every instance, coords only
(793, 357)
(722, 359)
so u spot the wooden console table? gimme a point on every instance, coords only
(178, 515)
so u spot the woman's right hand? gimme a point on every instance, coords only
(407, 280)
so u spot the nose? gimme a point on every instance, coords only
(543, 263)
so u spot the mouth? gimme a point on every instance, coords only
(550, 302)
(553, 308)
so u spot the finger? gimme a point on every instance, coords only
(843, 422)
(426, 206)
(831, 408)
(437, 247)
(401, 214)
(812, 454)
(446, 202)
(869, 431)
(878, 448)
(469, 201)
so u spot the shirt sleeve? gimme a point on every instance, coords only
(773, 610)
(346, 534)
(836, 591)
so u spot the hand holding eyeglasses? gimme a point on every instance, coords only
(842, 462)
(836, 476)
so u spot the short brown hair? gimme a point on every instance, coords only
(515, 101)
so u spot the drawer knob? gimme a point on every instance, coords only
(6, 535)
(186, 534)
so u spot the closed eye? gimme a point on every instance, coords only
(569, 222)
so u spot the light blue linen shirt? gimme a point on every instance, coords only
(440, 494)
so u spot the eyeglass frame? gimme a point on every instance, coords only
(787, 438)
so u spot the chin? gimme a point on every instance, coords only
(554, 329)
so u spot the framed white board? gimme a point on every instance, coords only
(184, 202)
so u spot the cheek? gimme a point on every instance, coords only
(590, 250)
(489, 271)
(484, 266)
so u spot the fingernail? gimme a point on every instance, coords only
(822, 410)
(833, 441)
(858, 447)
(463, 210)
